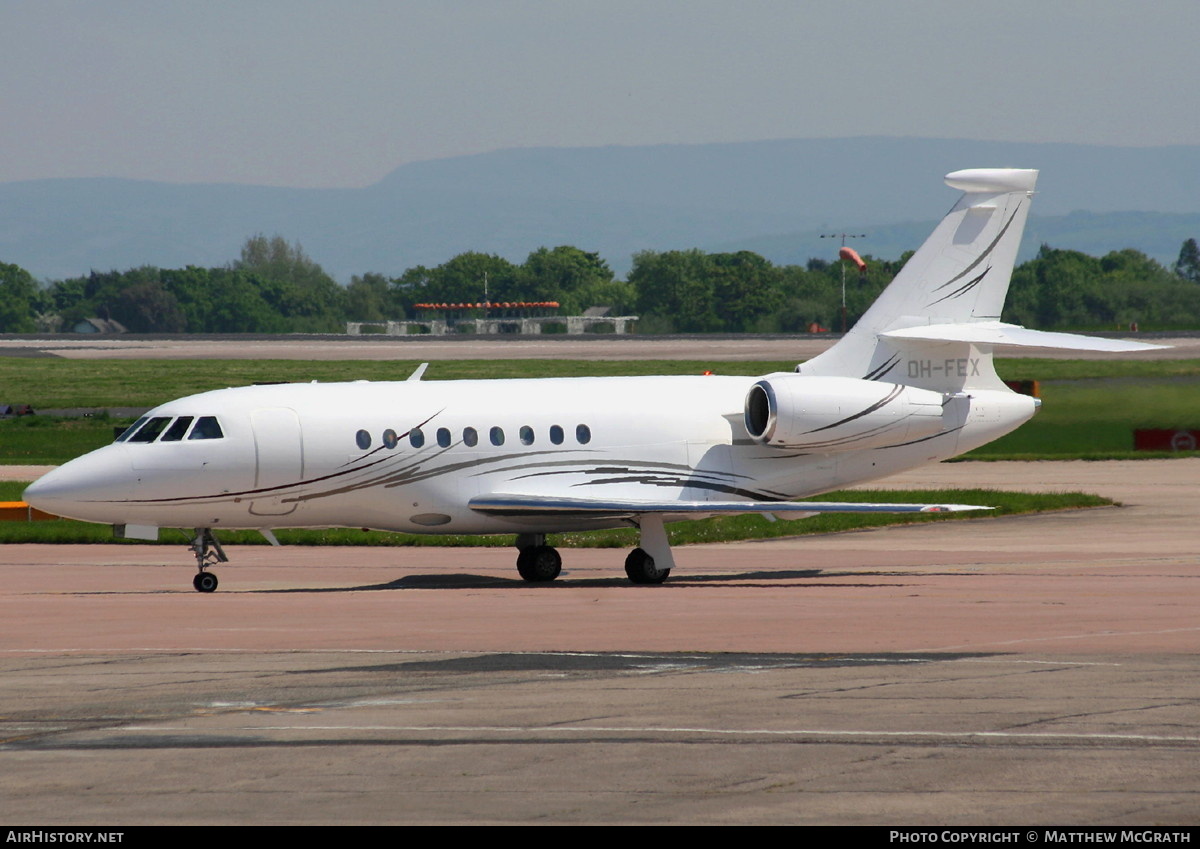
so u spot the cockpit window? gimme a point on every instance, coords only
(150, 430)
(131, 430)
(207, 427)
(177, 429)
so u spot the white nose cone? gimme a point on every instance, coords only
(91, 488)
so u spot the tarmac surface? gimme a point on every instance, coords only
(1020, 671)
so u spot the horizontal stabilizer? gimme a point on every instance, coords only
(993, 180)
(545, 505)
(999, 333)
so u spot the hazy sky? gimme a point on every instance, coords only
(285, 92)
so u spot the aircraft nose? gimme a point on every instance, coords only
(85, 488)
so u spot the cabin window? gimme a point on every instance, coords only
(443, 437)
(556, 434)
(497, 435)
(151, 429)
(131, 430)
(207, 427)
(176, 431)
(363, 440)
(416, 437)
(526, 434)
(390, 439)
(583, 434)
(470, 437)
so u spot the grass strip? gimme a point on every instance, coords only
(1090, 407)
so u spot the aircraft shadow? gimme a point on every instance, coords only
(466, 581)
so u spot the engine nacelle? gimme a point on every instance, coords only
(832, 414)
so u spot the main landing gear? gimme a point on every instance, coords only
(208, 553)
(539, 563)
(651, 562)
(640, 568)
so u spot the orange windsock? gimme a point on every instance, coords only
(852, 255)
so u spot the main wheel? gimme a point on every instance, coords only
(640, 568)
(539, 564)
(205, 582)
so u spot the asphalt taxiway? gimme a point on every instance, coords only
(1023, 670)
(591, 346)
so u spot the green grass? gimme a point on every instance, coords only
(1038, 369)
(57, 383)
(1094, 418)
(102, 384)
(726, 529)
(1090, 407)
(51, 441)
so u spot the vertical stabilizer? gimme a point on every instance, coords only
(959, 276)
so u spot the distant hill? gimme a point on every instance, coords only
(614, 200)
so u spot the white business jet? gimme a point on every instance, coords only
(911, 383)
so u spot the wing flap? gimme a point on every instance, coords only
(502, 504)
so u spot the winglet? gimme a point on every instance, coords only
(416, 375)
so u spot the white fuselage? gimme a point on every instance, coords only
(400, 456)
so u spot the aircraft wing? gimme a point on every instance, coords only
(502, 504)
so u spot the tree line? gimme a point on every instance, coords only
(274, 287)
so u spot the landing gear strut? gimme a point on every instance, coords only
(208, 553)
(537, 563)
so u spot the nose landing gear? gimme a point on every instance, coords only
(208, 552)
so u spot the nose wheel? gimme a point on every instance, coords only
(208, 552)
